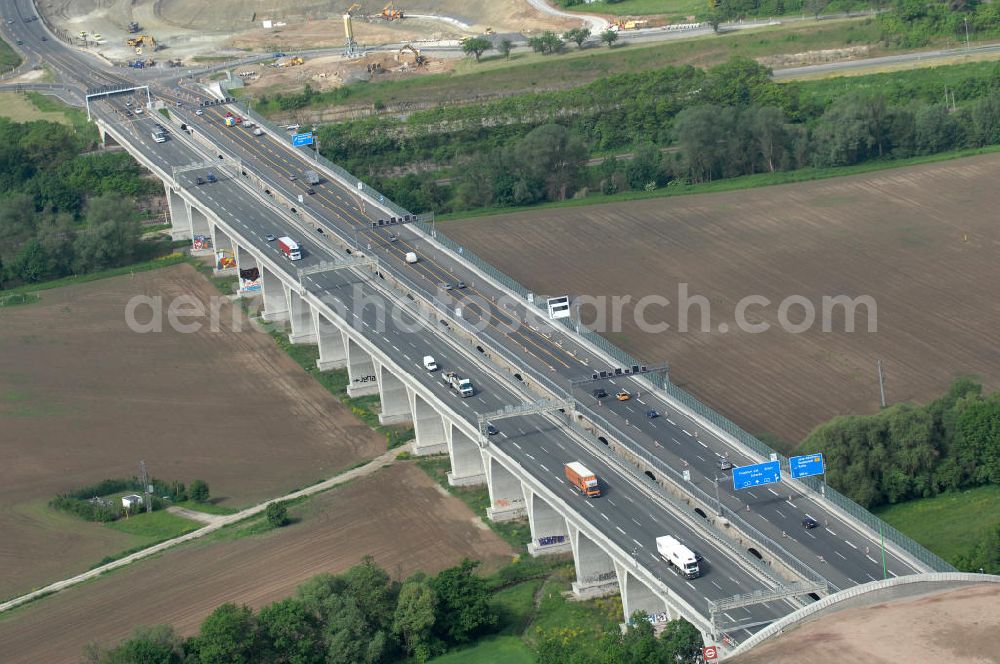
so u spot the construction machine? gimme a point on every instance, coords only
(390, 13)
(133, 27)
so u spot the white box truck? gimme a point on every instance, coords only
(678, 555)
(290, 248)
(429, 363)
(411, 257)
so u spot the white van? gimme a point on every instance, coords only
(429, 363)
(411, 257)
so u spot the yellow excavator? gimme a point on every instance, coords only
(140, 41)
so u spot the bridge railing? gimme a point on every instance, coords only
(678, 394)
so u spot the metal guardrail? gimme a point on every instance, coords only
(677, 393)
(854, 510)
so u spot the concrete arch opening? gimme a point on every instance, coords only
(275, 304)
(332, 343)
(392, 394)
(466, 459)
(637, 596)
(595, 570)
(506, 492)
(428, 427)
(360, 371)
(300, 317)
(549, 531)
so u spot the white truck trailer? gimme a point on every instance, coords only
(679, 556)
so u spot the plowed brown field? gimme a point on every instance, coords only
(83, 398)
(922, 241)
(398, 515)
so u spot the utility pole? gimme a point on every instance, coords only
(966, 33)
(144, 478)
(881, 381)
(718, 503)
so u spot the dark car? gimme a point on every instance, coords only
(652, 414)
(460, 285)
(319, 229)
(724, 463)
(809, 523)
(310, 191)
(44, 38)
(270, 237)
(491, 430)
(393, 237)
(600, 393)
(199, 180)
(211, 177)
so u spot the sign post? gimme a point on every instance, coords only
(300, 140)
(806, 465)
(758, 474)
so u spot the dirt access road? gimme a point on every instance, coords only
(398, 515)
(83, 398)
(922, 241)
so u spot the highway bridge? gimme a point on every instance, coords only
(373, 313)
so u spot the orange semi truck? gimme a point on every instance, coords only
(582, 479)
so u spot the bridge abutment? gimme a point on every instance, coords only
(595, 570)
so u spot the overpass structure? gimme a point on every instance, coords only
(370, 311)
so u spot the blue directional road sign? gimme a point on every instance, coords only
(298, 140)
(806, 465)
(758, 474)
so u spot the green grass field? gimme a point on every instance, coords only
(9, 58)
(949, 524)
(493, 650)
(156, 526)
(207, 508)
(20, 108)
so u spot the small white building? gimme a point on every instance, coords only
(131, 501)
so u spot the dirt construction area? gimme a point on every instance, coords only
(84, 398)
(922, 242)
(187, 28)
(398, 515)
(953, 626)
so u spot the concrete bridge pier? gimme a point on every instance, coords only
(275, 302)
(201, 232)
(180, 214)
(225, 254)
(506, 491)
(637, 596)
(300, 317)
(549, 533)
(595, 571)
(360, 371)
(392, 394)
(466, 459)
(332, 346)
(245, 261)
(428, 426)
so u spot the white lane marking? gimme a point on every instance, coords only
(636, 522)
(407, 357)
(830, 531)
(546, 451)
(852, 580)
(395, 347)
(612, 502)
(841, 555)
(675, 440)
(780, 513)
(871, 559)
(772, 491)
(544, 468)
(716, 585)
(504, 435)
(618, 528)
(515, 444)
(810, 534)
(671, 421)
(686, 431)
(654, 556)
(703, 444)
(752, 494)
(850, 545)
(641, 401)
(891, 572)
(692, 586)
(870, 576)
(701, 457)
(639, 543)
(605, 517)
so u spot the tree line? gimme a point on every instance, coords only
(908, 451)
(363, 616)
(91, 502)
(63, 209)
(688, 125)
